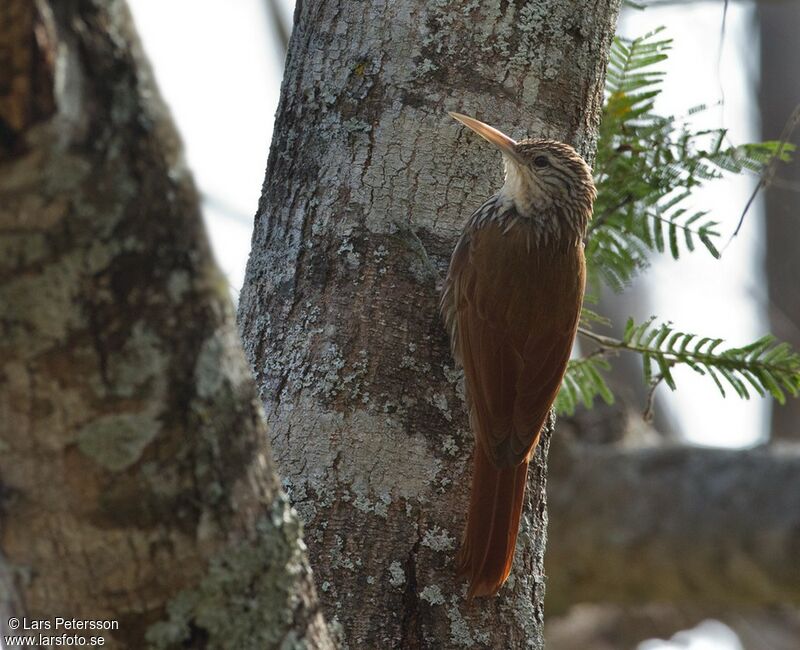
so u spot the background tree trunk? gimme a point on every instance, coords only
(778, 96)
(368, 185)
(137, 484)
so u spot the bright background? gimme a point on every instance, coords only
(219, 66)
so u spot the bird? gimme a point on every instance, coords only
(511, 303)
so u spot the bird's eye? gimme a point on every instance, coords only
(540, 161)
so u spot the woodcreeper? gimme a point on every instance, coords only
(511, 304)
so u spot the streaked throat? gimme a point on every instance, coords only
(521, 190)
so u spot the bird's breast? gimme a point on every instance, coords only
(525, 243)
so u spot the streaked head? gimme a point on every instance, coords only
(540, 174)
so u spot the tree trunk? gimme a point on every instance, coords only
(779, 95)
(137, 484)
(368, 185)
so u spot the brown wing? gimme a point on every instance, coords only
(514, 310)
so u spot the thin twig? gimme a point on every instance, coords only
(282, 31)
(719, 64)
(671, 357)
(227, 210)
(769, 171)
(604, 341)
(649, 410)
(597, 352)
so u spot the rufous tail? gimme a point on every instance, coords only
(495, 507)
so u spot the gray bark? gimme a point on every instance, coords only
(136, 483)
(367, 187)
(712, 527)
(778, 96)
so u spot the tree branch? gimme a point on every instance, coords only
(708, 526)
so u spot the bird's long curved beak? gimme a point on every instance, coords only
(499, 139)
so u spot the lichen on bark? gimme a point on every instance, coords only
(241, 599)
(137, 482)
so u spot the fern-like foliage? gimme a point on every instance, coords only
(647, 169)
(582, 384)
(648, 166)
(762, 367)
